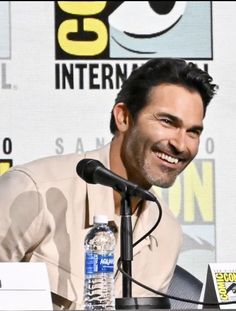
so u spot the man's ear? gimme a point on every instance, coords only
(122, 117)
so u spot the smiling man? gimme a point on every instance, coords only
(157, 121)
(165, 136)
(46, 209)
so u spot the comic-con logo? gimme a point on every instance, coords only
(226, 285)
(133, 29)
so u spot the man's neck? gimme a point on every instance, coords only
(117, 199)
(117, 166)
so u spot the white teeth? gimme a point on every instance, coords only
(167, 158)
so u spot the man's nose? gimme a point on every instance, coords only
(178, 140)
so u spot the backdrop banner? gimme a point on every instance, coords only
(61, 66)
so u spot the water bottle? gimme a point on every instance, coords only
(99, 266)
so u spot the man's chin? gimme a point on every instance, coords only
(162, 183)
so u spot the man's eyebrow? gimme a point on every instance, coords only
(198, 128)
(170, 116)
(178, 121)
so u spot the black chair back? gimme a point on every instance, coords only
(185, 285)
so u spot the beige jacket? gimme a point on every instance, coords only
(45, 209)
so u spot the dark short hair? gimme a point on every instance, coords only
(135, 90)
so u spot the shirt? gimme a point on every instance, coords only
(46, 210)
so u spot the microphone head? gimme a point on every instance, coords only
(86, 169)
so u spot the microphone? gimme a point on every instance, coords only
(94, 172)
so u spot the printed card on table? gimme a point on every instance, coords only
(24, 286)
(221, 284)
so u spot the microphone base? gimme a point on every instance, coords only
(130, 303)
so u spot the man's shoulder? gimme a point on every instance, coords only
(56, 167)
(46, 169)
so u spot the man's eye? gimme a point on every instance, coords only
(195, 134)
(166, 121)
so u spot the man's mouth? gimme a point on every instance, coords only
(167, 158)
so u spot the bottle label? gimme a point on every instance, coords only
(99, 263)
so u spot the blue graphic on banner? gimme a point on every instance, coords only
(165, 29)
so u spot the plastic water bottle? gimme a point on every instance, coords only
(99, 266)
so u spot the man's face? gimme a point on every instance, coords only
(165, 137)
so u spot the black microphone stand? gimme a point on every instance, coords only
(126, 257)
(126, 242)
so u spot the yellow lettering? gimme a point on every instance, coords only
(222, 290)
(199, 188)
(191, 198)
(229, 277)
(175, 198)
(82, 7)
(219, 276)
(85, 48)
(4, 166)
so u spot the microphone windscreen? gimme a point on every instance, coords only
(86, 169)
